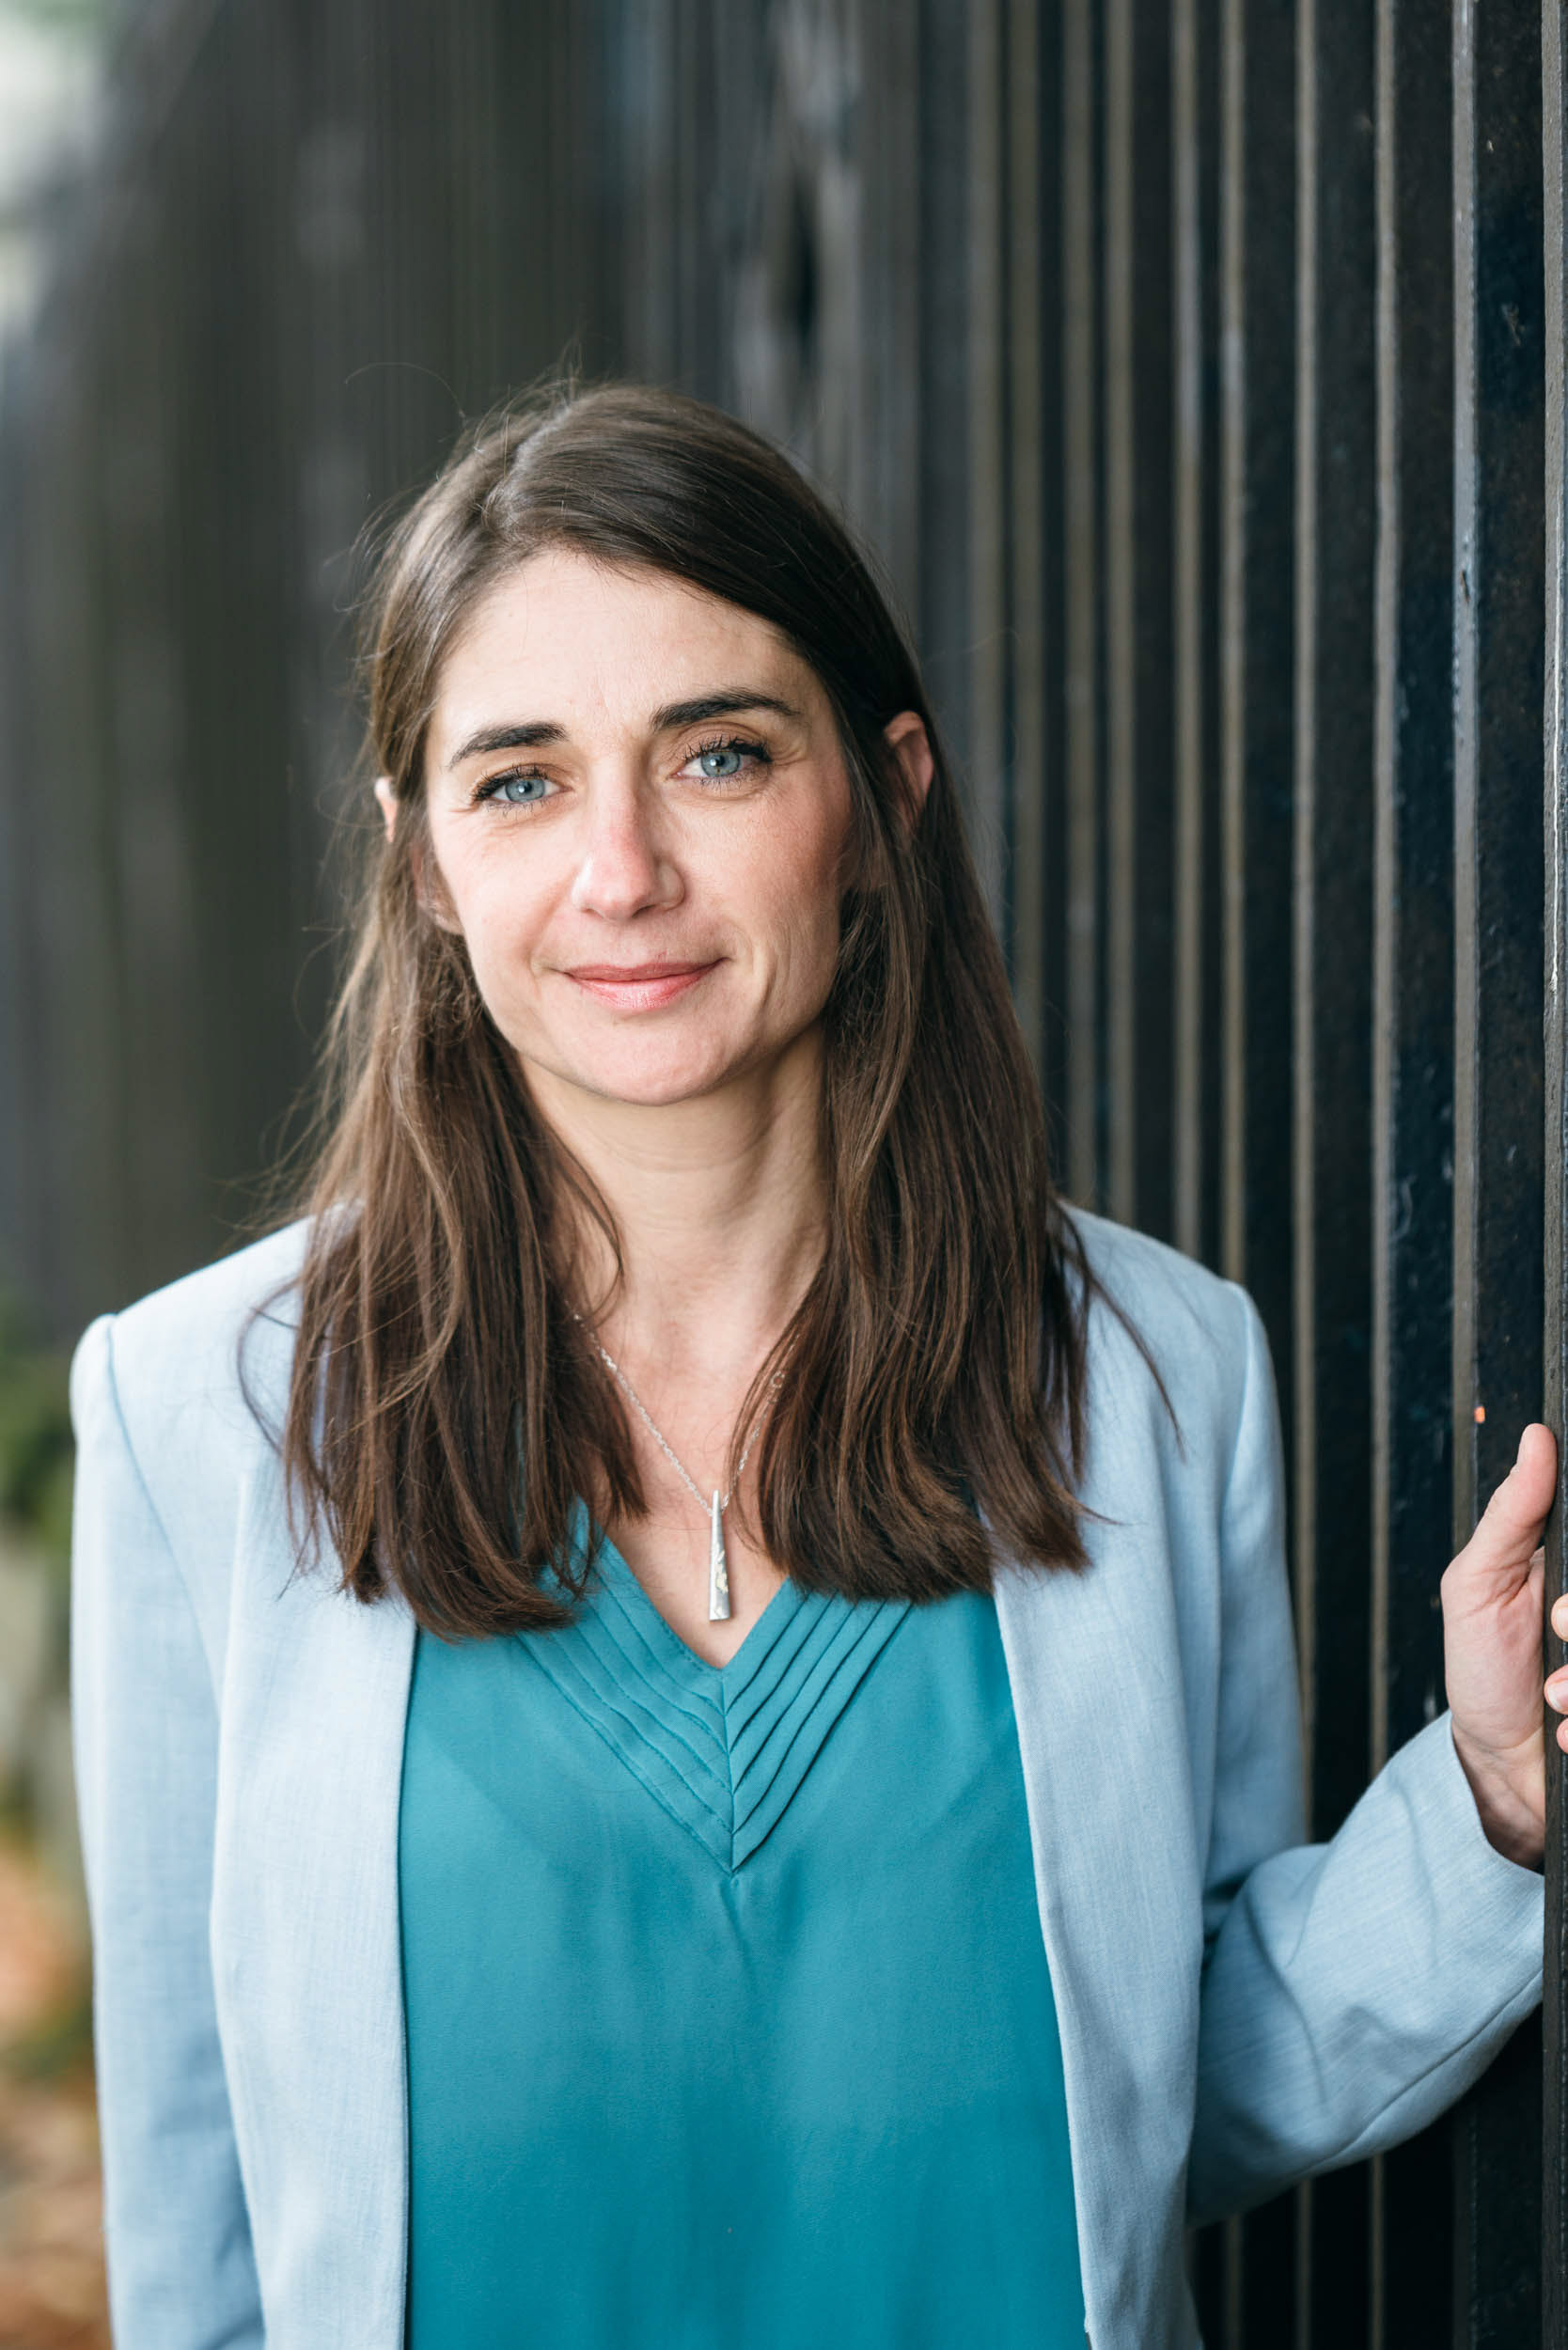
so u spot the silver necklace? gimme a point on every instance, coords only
(718, 1564)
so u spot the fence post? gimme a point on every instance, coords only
(1554, 125)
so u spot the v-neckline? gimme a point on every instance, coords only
(614, 1568)
(723, 1748)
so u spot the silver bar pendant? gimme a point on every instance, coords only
(718, 1570)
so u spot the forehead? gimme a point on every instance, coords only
(568, 637)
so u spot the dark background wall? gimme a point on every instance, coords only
(1186, 365)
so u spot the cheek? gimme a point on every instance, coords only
(801, 878)
(493, 898)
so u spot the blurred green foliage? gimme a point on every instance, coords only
(66, 16)
(35, 1450)
(36, 1463)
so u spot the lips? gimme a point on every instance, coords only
(638, 986)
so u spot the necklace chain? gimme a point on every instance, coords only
(662, 1441)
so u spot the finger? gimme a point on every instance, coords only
(1556, 1693)
(1510, 1530)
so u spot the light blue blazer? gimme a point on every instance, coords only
(1237, 2008)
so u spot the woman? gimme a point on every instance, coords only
(685, 1714)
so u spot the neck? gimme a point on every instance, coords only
(720, 1203)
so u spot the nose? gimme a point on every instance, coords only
(625, 868)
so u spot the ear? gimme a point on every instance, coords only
(906, 737)
(432, 902)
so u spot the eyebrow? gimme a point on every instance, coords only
(533, 733)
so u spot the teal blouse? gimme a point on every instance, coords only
(728, 2016)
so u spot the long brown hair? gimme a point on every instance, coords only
(445, 1410)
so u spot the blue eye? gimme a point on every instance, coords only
(514, 790)
(723, 762)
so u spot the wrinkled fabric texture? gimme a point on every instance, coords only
(1235, 2008)
(727, 2012)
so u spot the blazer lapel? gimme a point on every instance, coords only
(1105, 1751)
(305, 1936)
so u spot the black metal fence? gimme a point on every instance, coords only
(1197, 370)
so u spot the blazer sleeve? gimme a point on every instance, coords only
(1351, 1990)
(181, 2276)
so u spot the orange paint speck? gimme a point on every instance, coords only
(1480, 1414)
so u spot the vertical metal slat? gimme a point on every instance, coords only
(1080, 530)
(1189, 743)
(1151, 911)
(1333, 934)
(1120, 590)
(1499, 885)
(1027, 454)
(1257, 577)
(1554, 2230)
(989, 780)
(1413, 1025)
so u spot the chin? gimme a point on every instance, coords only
(641, 1077)
(647, 1070)
(645, 1088)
